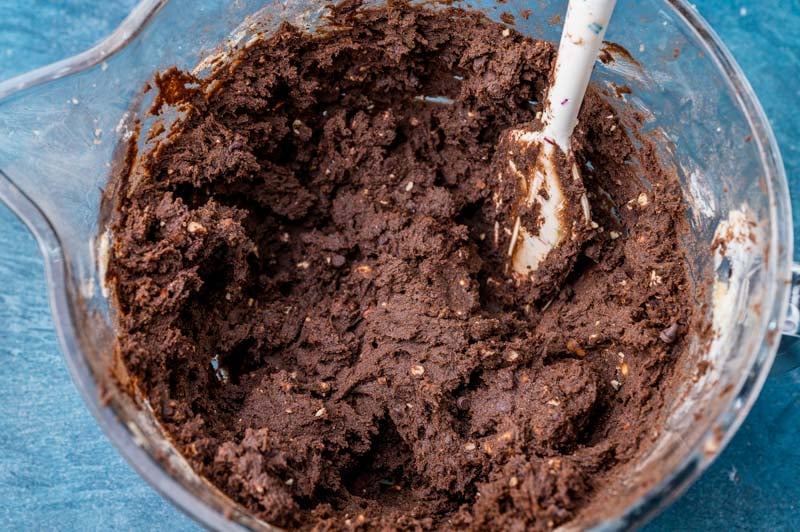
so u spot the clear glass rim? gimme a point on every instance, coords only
(720, 430)
(778, 262)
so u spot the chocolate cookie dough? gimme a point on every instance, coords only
(312, 295)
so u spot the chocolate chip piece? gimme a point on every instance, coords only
(670, 334)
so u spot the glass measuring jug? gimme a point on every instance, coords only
(59, 127)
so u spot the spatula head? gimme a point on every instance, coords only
(542, 210)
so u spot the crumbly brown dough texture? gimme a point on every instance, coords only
(310, 294)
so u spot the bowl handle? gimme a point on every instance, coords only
(788, 357)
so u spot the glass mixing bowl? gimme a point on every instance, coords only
(60, 126)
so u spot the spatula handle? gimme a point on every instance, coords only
(584, 29)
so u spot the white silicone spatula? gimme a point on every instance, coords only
(584, 28)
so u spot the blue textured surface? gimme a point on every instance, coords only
(58, 471)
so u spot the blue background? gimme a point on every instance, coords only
(58, 471)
